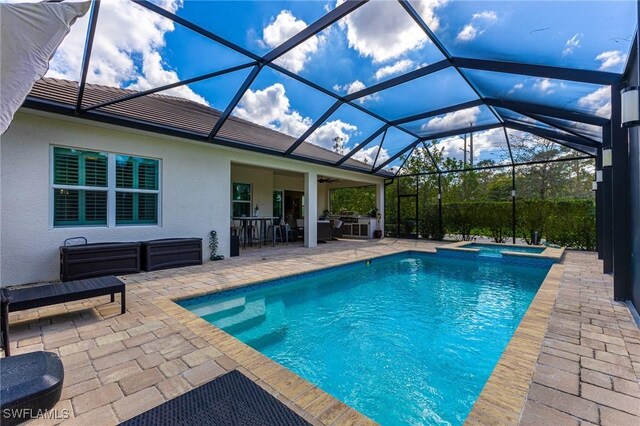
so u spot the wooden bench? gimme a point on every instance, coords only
(36, 296)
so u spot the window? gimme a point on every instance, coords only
(136, 190)
(101, 189)
(241, 200)
(79, 187)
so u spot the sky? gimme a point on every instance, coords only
(137, 49)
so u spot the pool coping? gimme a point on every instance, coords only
(504, 395)
(553, 253)
(501, 400)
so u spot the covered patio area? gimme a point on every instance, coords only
(305, 208)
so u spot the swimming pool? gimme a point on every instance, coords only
(407, 339)
(498, 249)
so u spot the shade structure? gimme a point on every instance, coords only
(354, 84)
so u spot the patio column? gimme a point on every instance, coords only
(310, 209)
(621, 195)
(380, 204)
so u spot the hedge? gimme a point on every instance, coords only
(568, 223)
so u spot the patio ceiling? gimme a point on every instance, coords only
(485, 85)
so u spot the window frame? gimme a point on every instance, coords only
(134, 190)
(110, 189)
(250, 201)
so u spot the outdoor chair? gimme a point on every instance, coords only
(300, 226)
(336, 230)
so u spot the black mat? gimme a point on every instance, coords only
(231, 399)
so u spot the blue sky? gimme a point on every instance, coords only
(137, 49)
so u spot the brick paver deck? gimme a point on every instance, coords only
(581, 369)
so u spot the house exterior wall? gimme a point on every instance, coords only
(195, 189)
(261, 181)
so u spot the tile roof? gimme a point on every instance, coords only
(181, 114)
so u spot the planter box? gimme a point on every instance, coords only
(98, 259)
(171, 253)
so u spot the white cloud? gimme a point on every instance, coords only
(270, 107)
(489, 144)
(572, 44)
(155, 75)
(453, 120)
(126, 49)
(324, 135)
(368, 155)
(545, 85)
(281, 29)
(396, 68)
(487, 15)
(516, 87)
(468, 33)
(480, 20)
(382, 30)
(599, 100)
(611, 59)
(354, 86)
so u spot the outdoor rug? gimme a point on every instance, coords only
(231, 399)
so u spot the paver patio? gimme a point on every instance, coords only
(585, 369)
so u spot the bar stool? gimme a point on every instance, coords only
(277, 229)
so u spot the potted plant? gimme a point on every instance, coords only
(378, 232)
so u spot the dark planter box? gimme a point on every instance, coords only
(98, 259)
(171, 253)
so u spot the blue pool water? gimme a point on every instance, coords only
(496, 250)
(407, 339)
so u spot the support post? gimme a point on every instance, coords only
(513, 204)
(398, 207)
(607, 211)
(311, 209)
(440, 224)
(598, 198)
(621, 204)
(380, 204)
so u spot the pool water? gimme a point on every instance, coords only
(495, 250)
(406, 339)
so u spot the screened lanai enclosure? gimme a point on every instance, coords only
(489, 118)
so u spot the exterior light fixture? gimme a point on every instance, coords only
(630, 106)
(594, 185)
(439, 196)
(513, 193)
(598, 175)
(607, 158)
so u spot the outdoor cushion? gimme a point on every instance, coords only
(28, 383)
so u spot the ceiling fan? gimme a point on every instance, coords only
(327, 180)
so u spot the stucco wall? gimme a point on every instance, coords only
(194, 193)
(261, 181)
(195, 189)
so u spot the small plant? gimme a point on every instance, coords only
(373, 213)
(213, 246)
